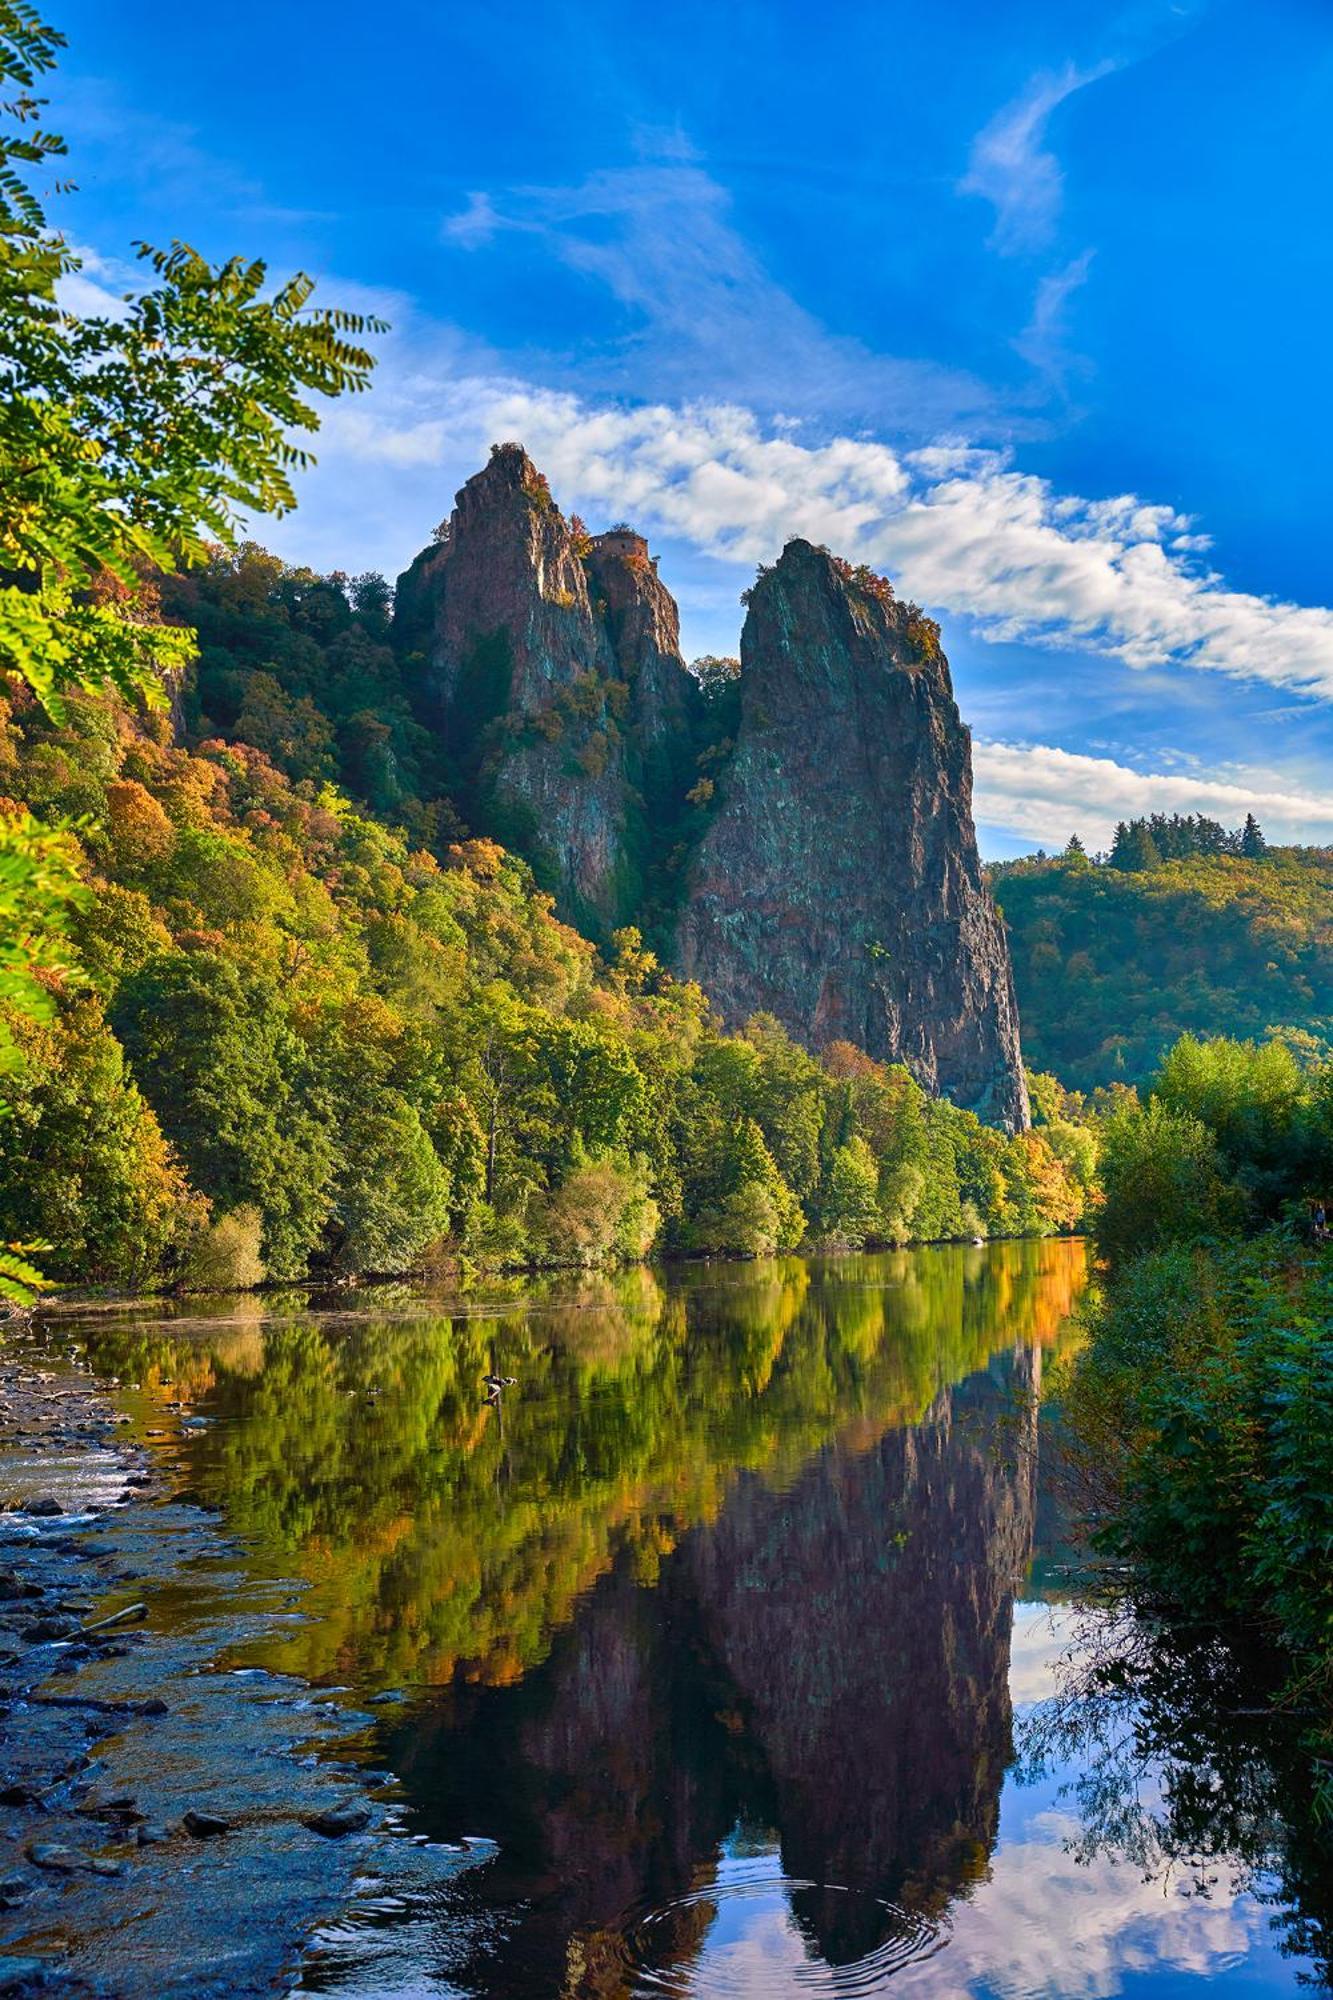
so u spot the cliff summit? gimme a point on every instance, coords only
(825, 872)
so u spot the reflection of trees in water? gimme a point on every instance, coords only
(360, 1452)
(832, 1527)
(828, 1658)
(1185, 1771)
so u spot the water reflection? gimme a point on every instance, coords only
(703, 1625)
(447, 1538)
(824, 1659)
(1176, 1768)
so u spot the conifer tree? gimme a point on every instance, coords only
(1252, 842)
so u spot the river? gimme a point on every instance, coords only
(733, 1650)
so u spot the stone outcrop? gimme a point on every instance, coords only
(838, 885)
(832, 877)
(551, 663)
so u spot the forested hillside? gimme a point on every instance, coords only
(1113, 963)
(296, 1040)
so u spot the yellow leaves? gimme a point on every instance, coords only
(139, 827)
(39, 889)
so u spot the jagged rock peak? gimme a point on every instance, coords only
(831, 874)
(551, 664)
(838, 884)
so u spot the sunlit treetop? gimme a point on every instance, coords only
(129, 442)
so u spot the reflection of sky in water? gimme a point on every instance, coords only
(742, 1551)
(1041, 1924)
(754, 1946)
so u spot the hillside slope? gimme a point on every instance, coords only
(295, 1043)
(1111, 967)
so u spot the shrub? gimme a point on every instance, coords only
(1204, 1409)
(601, 1210)
(225, 1255)
(1162, 1180)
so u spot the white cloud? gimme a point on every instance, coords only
(1042, 1925)
(957, 528)
(1047, 794)
(1042, 341)
(96, 290)
(476, 224)
(660, 238)
(1011, 168)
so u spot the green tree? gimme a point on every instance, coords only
(132, 440)
(232, 1085)
(1252, 1097)
(128, 441)
(1162, 1181)
(1134, 848)
(849, 1210)
(1252, 842)
(83, 1163)
(390, 1192)
(756, 1212)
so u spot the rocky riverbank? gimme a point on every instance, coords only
(170, 1825)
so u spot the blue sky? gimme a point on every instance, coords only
(1029, 306)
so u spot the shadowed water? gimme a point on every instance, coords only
(701, 1647)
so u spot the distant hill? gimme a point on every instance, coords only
(1111, 966)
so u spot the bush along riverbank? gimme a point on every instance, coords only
(1203, 1402)
(285, 1041)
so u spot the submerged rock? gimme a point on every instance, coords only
(60, 1860)
(27, 1975)
(352, 1816)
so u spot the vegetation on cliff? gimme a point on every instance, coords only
(1112, 964)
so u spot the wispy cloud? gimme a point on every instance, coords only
(149, 149)
(1011, 166)
(475, 225)
(698, 305)
(956, 527)
(1047, 794)
(1043, 341)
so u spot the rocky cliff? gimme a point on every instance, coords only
(828, 871)
(551, 663)
(838, 885)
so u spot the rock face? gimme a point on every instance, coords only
(838, 885)
(551, 663)
(831, 878)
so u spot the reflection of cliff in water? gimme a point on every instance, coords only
(828, 1660)
(444, 1539)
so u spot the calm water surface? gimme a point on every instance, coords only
(723, 1652)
